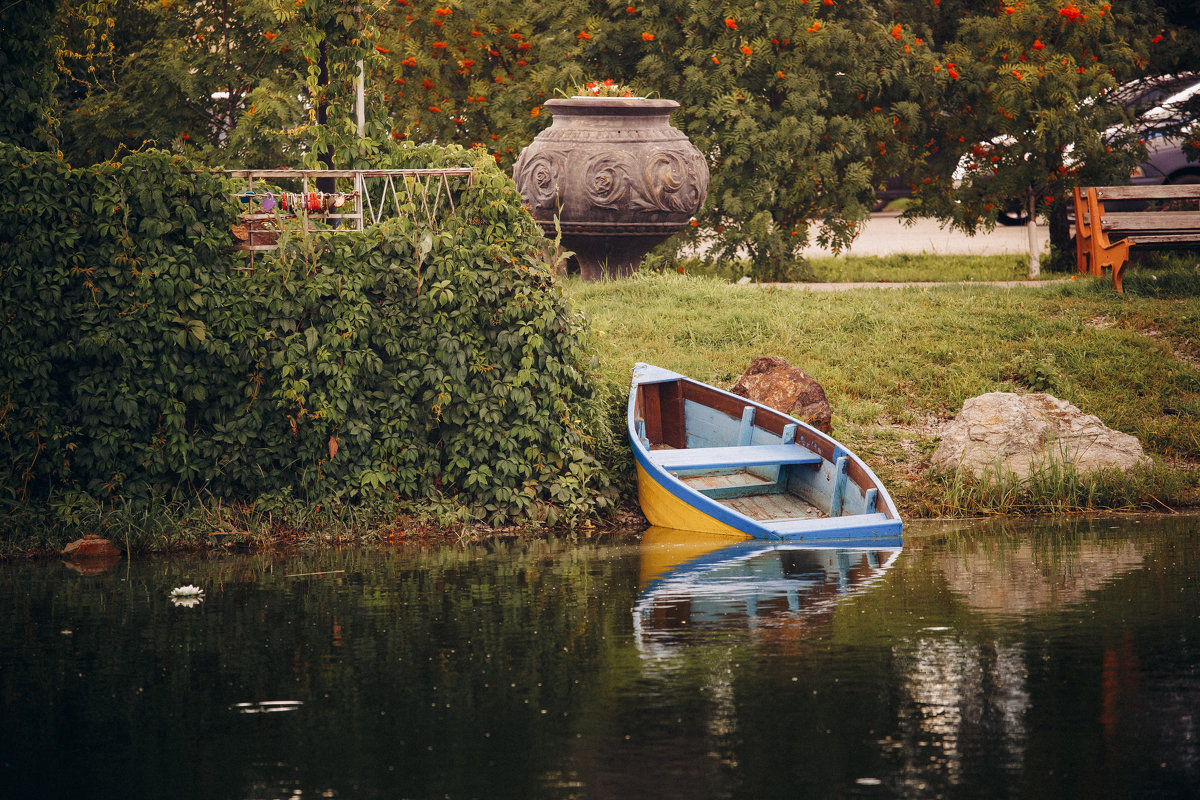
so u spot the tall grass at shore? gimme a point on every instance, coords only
(895, 363)
(192, 520)
(1057, 488)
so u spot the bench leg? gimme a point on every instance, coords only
(1096, 240)
(1082, 234)
(1119, 271)
(1101, 252)
(1116, 256)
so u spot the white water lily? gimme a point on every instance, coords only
(187, 596)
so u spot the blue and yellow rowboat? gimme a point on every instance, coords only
(713, 462)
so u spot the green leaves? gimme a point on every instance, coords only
(192, 327)
(27, 75)
(437, 361)
(1027, 115)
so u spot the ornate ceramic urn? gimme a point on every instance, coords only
(616, 174)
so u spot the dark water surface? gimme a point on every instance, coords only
(1000, 660)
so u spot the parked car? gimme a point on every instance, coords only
(1164, 109)
(1165, 127)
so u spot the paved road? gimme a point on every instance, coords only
(884, 234)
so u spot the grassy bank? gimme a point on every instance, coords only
(889, 269)
(919, 267)
(894, 363)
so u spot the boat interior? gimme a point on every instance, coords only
(754, 460)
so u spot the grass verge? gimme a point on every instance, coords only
(888, 269)
(920, 267)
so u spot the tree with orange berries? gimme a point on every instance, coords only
(1029, 116)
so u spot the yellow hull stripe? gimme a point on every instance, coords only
(667, 511)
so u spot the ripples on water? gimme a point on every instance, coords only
(1000, 660)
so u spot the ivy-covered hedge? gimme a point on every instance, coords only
(137, 354)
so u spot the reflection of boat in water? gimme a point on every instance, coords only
(692, 582)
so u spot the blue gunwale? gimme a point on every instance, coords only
(882, 526)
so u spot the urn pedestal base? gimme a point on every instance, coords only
(603, 252)
(613, 258)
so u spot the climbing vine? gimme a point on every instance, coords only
(139, 353)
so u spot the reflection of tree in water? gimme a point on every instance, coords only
(958, 699)
(1046, 629)
(963, 694)
(397, 662)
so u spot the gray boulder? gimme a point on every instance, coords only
(1002, 431)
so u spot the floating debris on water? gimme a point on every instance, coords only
(267, 706)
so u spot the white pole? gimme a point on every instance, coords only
(360, 104)
(1035, 263)
(360, 108)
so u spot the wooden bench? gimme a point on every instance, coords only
(1104, 238)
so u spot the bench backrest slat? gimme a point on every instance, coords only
(1183, 191)
(1151, 221)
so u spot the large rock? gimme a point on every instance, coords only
(91, 555)
(1018, 433)
(91, 546)
(774, 382)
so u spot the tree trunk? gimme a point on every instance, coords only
(1062, 243)
(324, 184)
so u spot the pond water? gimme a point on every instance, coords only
(983, 660)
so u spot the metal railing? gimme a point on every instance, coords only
(372, 195)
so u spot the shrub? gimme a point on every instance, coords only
(139, 353)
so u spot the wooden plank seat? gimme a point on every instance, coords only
(1103, 238)
(858, 523)
(760, 455)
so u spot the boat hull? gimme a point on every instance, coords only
(664, 508)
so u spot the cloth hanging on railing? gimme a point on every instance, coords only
(312, 202)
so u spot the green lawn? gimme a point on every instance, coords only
(895, 362)
(921, 267)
